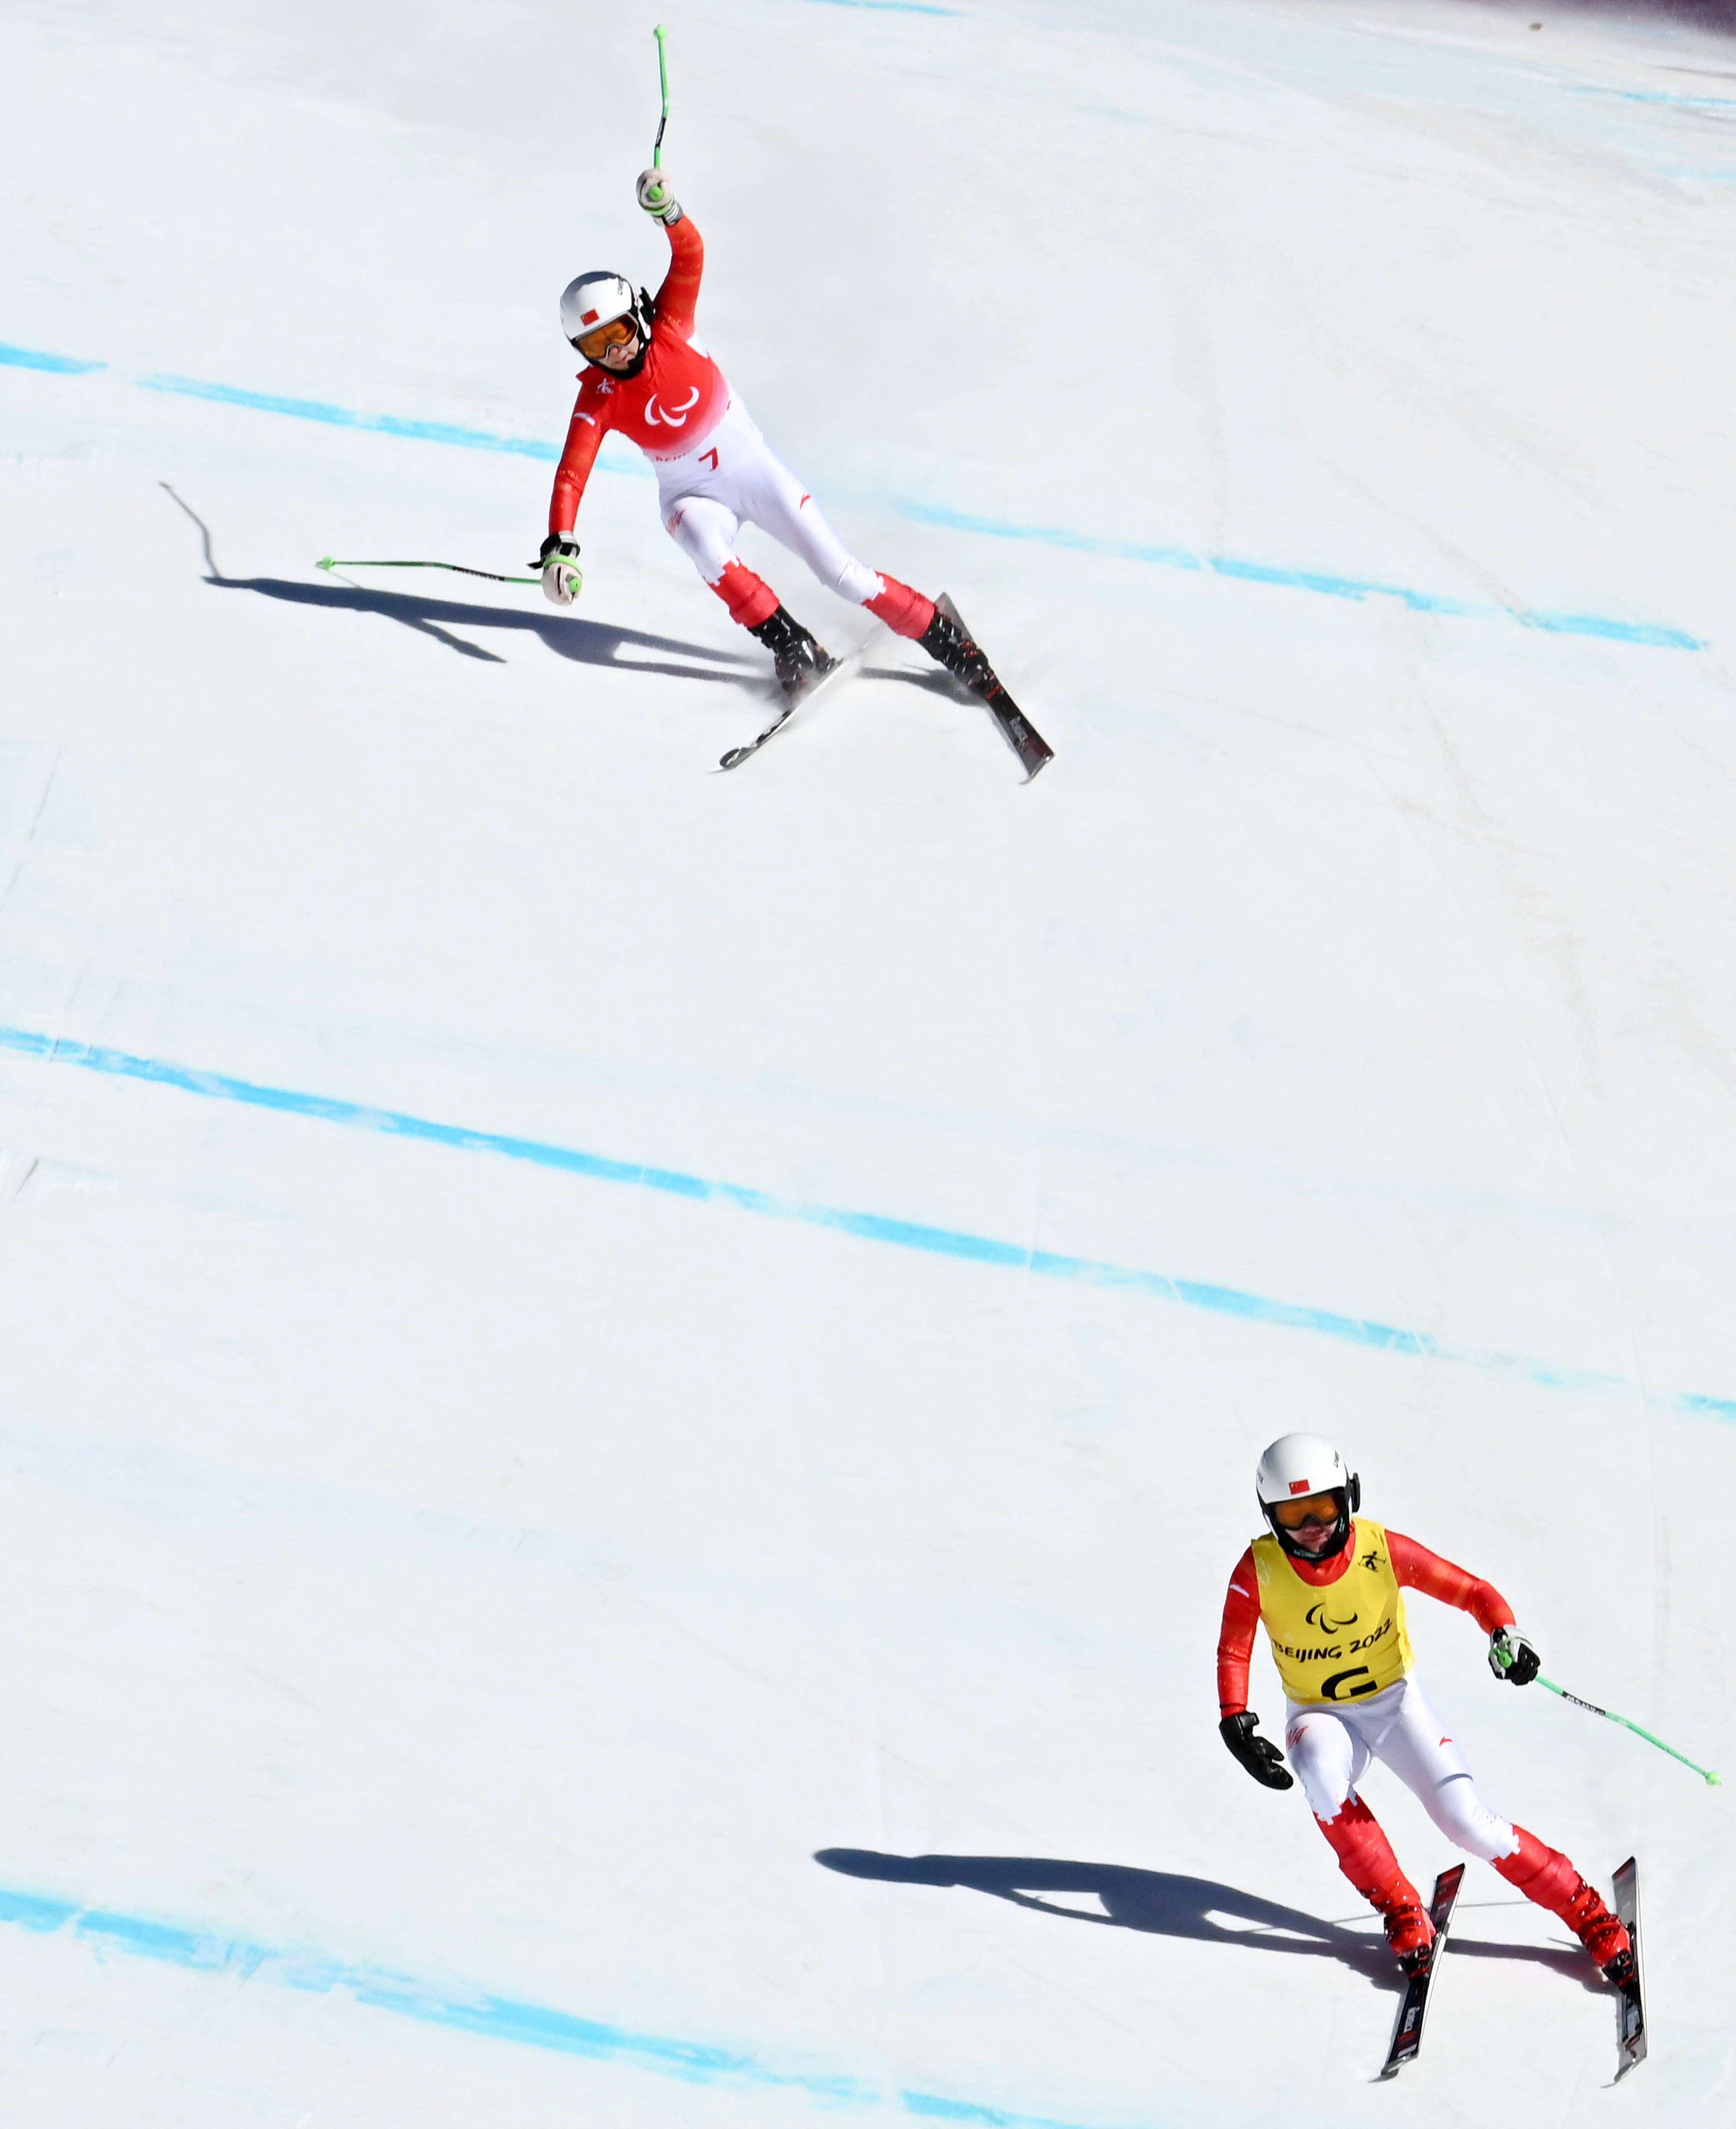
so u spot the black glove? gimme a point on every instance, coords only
(1512, 1657)
(1261, 1757)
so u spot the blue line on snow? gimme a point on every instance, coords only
(1307, 580)
(343, 417)
(890, 6)
(865, 1226)
(1652, 634)
(1658, 96)
(472, 2011)
(33, 358)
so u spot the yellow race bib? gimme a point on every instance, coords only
(1339, 1643)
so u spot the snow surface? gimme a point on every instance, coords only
(576, 1331)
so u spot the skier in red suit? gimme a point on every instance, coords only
(1326, 1584)
(650, 377)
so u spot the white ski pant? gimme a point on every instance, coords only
(735, 478)
(1330, 1750)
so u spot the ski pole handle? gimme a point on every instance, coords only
(663, 76)
(1712, 1780)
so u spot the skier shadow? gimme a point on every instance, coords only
(1164, 1904)
(585, 642)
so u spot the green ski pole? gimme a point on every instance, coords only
(1713, 1781)
(1504, 1657)
(663, 76)
(337, 562)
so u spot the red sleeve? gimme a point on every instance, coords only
(1417, 1567)
(677, 299)
(1235, 1636)
(584, 439)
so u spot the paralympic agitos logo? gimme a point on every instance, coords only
(1322, 1624)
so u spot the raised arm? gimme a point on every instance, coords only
(677, 299)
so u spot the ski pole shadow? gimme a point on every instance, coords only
(584, 642)
(1163, 1903)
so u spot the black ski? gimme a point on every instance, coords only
(1014, 727)
(738, 754)
(1630, 2002)
(1407, 2031)
(837, 668)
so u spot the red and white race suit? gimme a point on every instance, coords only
(1330, 1747)
(1331, 1743)
(714, 471)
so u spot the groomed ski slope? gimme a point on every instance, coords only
(574, 1331)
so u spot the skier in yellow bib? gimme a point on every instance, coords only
(1328, 1585)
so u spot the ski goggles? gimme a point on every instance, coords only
(618, 331)
(1313, 1508)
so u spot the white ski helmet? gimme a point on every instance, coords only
(599, 299)
(1295, 1466)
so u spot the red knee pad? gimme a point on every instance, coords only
(1366, 1857)
(905, 613)
(1542, 1874)
(749, 598)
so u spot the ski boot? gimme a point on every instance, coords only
(1602, 1933)
(1411, 1934)
(799, 660)
(947, 643)
(1544, 1874)
(1366, 1858)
